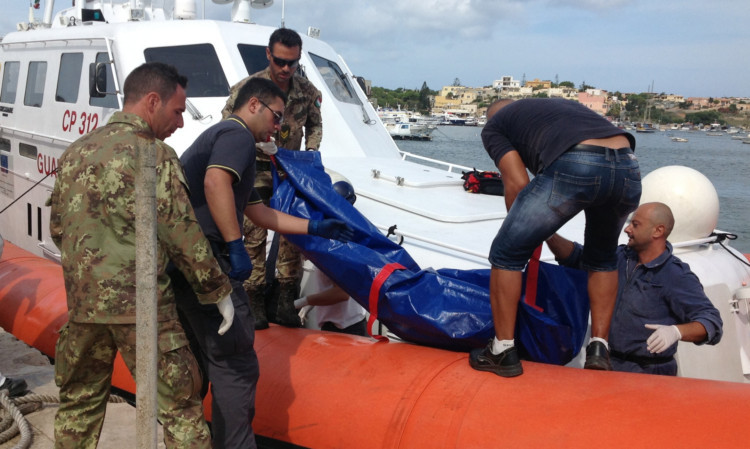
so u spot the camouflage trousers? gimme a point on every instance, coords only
(289, 259)
(85, 355)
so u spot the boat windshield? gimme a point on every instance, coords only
(254, 57)
(199, 63)
(336, 80)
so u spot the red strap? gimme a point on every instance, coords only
(532, 277)
(377, 284)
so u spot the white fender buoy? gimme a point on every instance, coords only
(690, 195)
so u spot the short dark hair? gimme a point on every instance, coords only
(286, 37)
(152, 77)
(261, 88)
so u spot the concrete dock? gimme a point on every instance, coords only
(18, 360)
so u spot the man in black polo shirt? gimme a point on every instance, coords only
(580, 162)
(220, 171)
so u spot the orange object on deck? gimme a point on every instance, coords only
(326, 390)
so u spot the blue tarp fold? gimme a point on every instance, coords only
(444, 308)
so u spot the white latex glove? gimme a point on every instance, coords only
(301, 302)
(662, 338)
(303, 313)
(226, 309)
(269, 147)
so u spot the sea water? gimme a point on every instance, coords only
(723, 160)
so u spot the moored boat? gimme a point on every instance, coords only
(409, 131)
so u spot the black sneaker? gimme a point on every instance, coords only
(597, 357)
(15, 387)
(506, 364)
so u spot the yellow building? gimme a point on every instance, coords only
(538, 84)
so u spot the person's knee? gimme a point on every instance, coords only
(180, 379)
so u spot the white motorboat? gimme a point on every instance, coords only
(409, 131)
(49, 99)
(62, 78)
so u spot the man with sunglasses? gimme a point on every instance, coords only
(220, 171)
(301, 119)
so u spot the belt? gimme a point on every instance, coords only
(595, 148)
(641, 360)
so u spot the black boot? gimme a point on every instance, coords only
(286, 314)
(257, 294)
(15, 387)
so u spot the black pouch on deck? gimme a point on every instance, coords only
(487, 182)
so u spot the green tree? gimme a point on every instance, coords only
(708, 116)
(424, 97)
(412, 99)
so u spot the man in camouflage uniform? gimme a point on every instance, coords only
(93, 223)
(302, 113)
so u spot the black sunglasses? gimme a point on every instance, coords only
(292, 63)
(277, 117)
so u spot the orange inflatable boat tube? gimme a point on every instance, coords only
(324, 390)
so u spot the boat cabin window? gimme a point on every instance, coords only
(26, 150)
(336, 80)
(35, 84)
(199, 63)
(254, 57)
(69, 77)
(4, 144)
(10, 82)
(108, 100)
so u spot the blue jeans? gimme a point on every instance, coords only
(606, 186)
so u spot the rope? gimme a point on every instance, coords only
(12, 420)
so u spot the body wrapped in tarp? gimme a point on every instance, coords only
(444, 308)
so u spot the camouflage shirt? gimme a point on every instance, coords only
(302, 112)
(93, 223)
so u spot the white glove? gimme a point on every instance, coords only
(301, 302)
(662, 338)
(269, 147)
(303, 313)
(226, 309)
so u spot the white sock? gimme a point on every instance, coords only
(601, 340)
(499, 346)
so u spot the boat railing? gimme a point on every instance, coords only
(42, 43)
(460, 249)
(447, 165)
(438, 243)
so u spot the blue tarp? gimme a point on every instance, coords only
(444, 308)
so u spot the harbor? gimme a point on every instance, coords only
(721, 159)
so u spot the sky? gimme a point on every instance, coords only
(683, 47)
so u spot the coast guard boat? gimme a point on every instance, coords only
(62, 78)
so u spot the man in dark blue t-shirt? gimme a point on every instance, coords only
(580, 162)
(220, 171)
